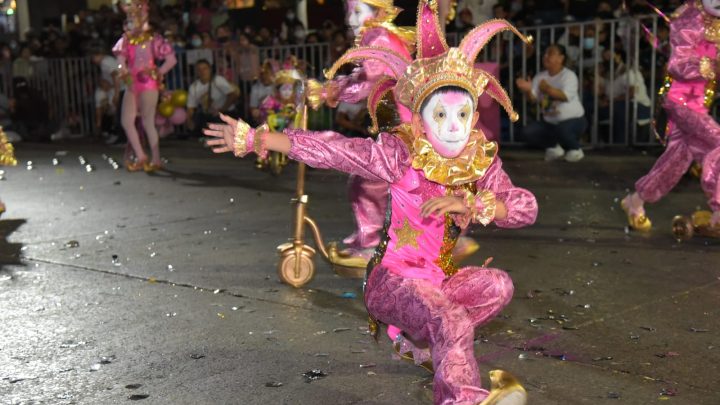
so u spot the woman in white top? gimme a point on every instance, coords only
(563, 116)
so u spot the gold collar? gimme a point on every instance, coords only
(140, 39)
(469, 166)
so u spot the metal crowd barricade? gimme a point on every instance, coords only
(68, 84)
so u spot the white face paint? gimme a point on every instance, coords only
(448, 120)
(712, 7)
(358, 13)
(286, 91)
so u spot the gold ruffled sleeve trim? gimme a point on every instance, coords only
(240, 148)
(314, 94)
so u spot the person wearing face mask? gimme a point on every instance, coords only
(691, 134)
(563, 116)
(292, 30)
(442, 174)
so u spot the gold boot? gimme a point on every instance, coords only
(2, 208)
(505, 389)
(637, 222)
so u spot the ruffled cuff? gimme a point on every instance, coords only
(249, 139)
(480, 208)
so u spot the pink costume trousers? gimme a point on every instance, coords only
(694, 136)
(368, 199)
(445, 317)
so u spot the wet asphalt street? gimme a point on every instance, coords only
(119, 287)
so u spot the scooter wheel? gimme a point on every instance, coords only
(286, 269)
(682, 228)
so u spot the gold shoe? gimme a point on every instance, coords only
(135, 166)
(702, 221)
(152, 167)
(637, 222)
(465, 247)
(2, 208)
(505, 389)
(346, 265)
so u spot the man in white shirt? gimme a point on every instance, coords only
(351, 119)
(208, 96)
(563, 116)
(261, 89)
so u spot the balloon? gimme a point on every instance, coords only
(179, 116)
(179, 98)
(166, 109)
(160, 120)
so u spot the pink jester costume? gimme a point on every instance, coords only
(137, 51)
(368, 197)
(412, 281)
(692, 135)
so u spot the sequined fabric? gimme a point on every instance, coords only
(407, 287)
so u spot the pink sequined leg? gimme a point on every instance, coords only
(484, 292)
(424, 312)
(368, 199)
(667, 171)
(710, 183)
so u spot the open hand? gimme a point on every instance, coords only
(223, 135)
(442, 206)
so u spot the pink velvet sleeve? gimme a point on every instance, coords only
(354, 88)
(687, 31)
(120, 48)
(386, 159)
(520, 203)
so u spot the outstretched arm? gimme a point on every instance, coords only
(385, 159)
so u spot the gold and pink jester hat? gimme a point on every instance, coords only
(436, 65)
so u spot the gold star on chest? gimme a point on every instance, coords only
(407, 235)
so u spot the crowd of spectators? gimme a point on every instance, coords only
(198, 29)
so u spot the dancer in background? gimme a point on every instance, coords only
(442, 174)
(692, 134)
(136, 51)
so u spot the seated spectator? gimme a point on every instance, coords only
(208, 96)
(627, 88)
(109, 73)
(563, 116)
(106, 106)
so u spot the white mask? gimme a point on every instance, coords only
(358, 14)
(286, 91)
(448, 120)
(712, 7)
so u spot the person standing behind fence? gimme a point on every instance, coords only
(136, 52)
(209, 95)
(563, 116)
(262, 88)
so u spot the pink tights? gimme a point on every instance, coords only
(445, 317)
(144, 104)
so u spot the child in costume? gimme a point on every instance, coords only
(692, 135)
(280, 110)
(372, 25)
(443, 174)
(7, 158)
(136, 52)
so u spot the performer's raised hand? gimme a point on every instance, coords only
(223, 134)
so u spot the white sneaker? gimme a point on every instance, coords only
(554, 153)
(574, 155)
